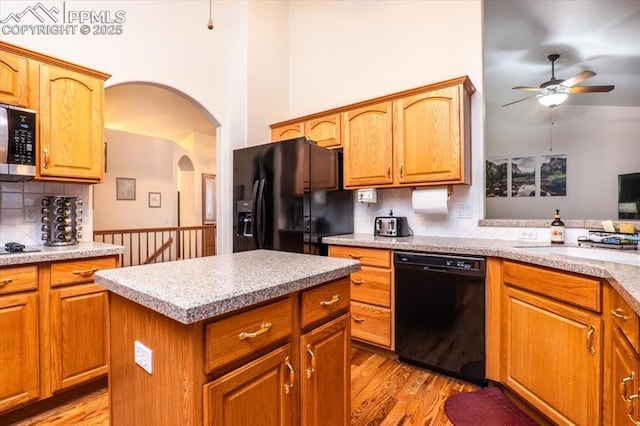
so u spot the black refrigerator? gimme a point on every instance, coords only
(287, 196)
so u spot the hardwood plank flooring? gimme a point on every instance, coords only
(384, 392)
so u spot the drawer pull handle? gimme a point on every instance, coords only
(86, 272)
(619, 313)
(292, 377)
(623, 387)
(355, 256)
(5, 282)
(631, 410)
(335, 299)
(46, 158)
(266, 326)
(311, 369)
(357, 282)
(357, 319)
(590, 340)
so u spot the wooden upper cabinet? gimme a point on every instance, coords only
(71, 125)
(14, 76)
(287, 132)
(368, 146)
(427, 138)
(326, 131)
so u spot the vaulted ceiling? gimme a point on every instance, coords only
(597, 35)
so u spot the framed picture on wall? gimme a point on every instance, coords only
(208, 199)
(155, 199)
(125, 189)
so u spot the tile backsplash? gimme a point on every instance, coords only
(17, 197)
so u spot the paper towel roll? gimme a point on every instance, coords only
(430, 201)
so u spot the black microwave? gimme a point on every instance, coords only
(17, 143)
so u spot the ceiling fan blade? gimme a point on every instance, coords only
(578, 78)
(530, 89)
(520, 100)
(591, 89)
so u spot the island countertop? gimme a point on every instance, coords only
(192, 290)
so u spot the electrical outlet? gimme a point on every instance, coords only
(528, 234)
(143, 356)
(30, 214)
(367, 195)
(464, 212)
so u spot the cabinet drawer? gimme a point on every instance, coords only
(623, 317)
(237, 336)
(371, 324)
(367, 256)
(570, 288)
(372, 285)
(78, 271)
(324, 302)
(18, 278)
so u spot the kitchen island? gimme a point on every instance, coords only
(229, 339)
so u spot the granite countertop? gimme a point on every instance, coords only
(192, 290)
(625, 279)
(56, 253)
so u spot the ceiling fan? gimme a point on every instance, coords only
(555, 91)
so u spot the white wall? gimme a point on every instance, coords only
(350, 51)
(165, 42)
(594, 157)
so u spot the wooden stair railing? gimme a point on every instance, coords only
(154, 256)
(151, 245)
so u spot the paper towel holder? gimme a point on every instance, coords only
(449, 190)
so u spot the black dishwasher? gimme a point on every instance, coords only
(440, 313)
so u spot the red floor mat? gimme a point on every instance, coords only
(486, 407)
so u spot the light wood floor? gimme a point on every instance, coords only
(383, 392)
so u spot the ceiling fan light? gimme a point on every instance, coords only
(553, 99)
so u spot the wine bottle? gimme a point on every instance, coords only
(557, 229)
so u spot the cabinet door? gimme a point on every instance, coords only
(625, 367)
(287, 132)
(71, 125)
(368, 147)
(19, 366)
(261, 392)
(553, 357)
(326, 131)
(427, 137)
(14, 75)
(79, 345)
(326, 375)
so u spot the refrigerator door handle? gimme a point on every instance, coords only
(262, 213)
(254, 214)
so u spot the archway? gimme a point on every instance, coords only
(162, 139)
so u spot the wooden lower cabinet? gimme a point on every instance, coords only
(19, 366)
(325, 375)
(624, 363)
(372, 294)
(622, 366)
(553, 357)
(79, 338)
(308, 379)
(53, 329)
(254, 392)
(287, 362)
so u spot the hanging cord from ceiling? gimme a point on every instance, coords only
(551, 123)
(210, 23)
